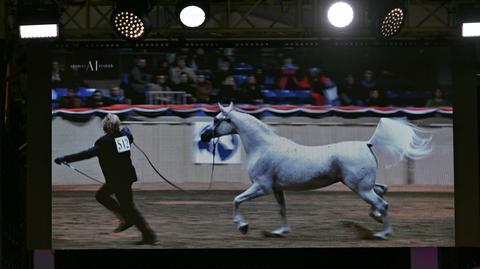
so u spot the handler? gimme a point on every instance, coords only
(113, 152)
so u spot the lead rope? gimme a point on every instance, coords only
(156, 171)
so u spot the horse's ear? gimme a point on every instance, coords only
(222, 109)
(230, 107)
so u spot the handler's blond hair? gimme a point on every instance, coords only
(111, 124)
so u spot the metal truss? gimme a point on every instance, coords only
(248, 19)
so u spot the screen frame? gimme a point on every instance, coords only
(465, 99)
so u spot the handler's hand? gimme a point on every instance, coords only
(59, 160)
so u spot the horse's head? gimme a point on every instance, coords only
(220, 126)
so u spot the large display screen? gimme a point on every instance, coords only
(252, 147)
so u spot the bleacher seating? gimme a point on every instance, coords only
(85, 92)
(269, 96)
(240, 80)
(303, 96)
(61, 92)
(286, 97)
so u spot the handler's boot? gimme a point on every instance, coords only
(148, 239)
(123, 224)
(148, 235)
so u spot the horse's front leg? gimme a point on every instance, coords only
(253, 192)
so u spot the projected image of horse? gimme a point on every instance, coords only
(276, 164)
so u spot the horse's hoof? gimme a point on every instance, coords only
(383, 235)
(375, 217)
(272, 234)
(243, 228)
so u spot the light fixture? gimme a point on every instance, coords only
(470, 29)
(38, 21)
(192, 14)
(130, 18)
(468, 16)
(340, 14)
(388, 17)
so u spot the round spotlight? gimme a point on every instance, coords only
(192, 16)
(392, 23)
(129, 25)
(340, 14)
(130, 19)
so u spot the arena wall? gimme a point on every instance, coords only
(168, 141)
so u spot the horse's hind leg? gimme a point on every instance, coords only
(380, 210)
(365, 187)
(284, 229)
(380, 189)
(253, 192)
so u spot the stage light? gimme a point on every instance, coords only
(388, 17)
(468, 16)
(39, 21)
(340, 14)
(130, 19)
(392, 22)
(192, 13)
(471, 29)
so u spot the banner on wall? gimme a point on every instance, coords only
(228, 150)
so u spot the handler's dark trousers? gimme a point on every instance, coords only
(125, 206)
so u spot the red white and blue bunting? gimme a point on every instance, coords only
(186, 111)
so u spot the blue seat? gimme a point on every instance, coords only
(85, 92)
(303, 96)
(286, 96)
(269, 80)
(61, 92)
(269, 96)
(124, 79)
(240, 80)
(242, 68)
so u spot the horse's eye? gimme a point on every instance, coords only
(215, 120)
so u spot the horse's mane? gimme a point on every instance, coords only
(256, 122)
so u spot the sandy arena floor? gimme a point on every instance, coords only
(204, 220)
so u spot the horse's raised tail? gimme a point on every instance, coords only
(400, 138)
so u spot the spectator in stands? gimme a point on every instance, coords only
(438, 99)
(375, 98)
(97, 100)
(186, 54)
(116, 96)
(260, 77)
(368, 83)
(228, 91)
(163, 68)
(251, 93)
(350, 93)
(164, 83)
(180, 68)
(330, 91)
(288, 72)
(200, 61)
(186, 86)
(223, 71)
(138, 83)
(71, 100)
(203, 91)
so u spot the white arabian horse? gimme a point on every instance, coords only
(276, 164)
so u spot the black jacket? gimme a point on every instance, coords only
(113, 152)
